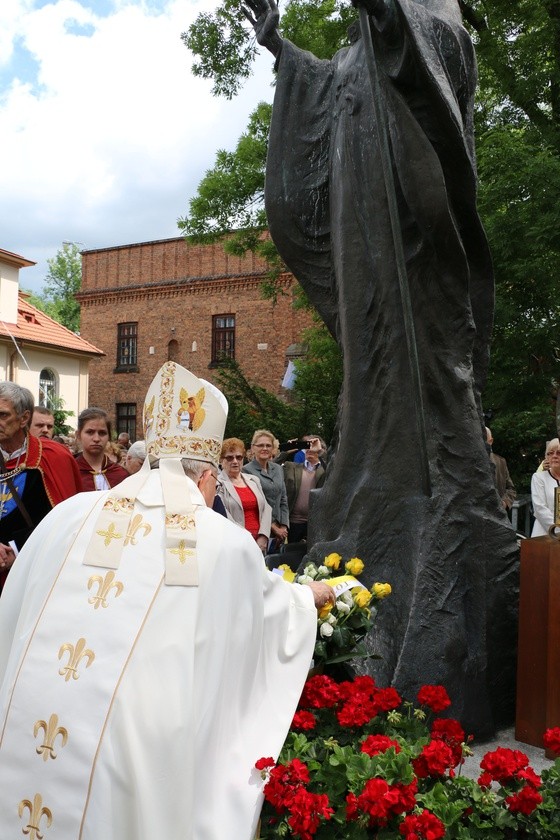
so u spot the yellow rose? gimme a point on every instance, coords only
(362, 597)
(287, 573)
(333, 560)
(325, 610)
(381, 590)
(355, 566)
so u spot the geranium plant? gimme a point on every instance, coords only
(342, 628)
(359, 763)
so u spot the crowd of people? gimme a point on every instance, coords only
(264, 487)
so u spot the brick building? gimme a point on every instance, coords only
(145, 303)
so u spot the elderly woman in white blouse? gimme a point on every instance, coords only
(543, 484)
(242, 494)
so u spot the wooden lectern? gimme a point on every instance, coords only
(538, 656)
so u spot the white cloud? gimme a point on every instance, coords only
(105, 135)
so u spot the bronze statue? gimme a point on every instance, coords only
(371, 202)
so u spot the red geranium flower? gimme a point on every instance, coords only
(319, 692)
(424, 826)
(524, 801)
(375, 744)
(387, 699)
(551, 739)
(529, 775)
(304, 720)
(434, 760)
(484, 780)
(263, 763)
(306, 812)
(284, 782)
(450, 731)
(435, 697)
(504, 764)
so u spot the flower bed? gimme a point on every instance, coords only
(360, 762)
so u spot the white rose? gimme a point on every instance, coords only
(326, 630)
(342, 606)
(331, 619)
(322, 570)
(303, 579)
(310, 570)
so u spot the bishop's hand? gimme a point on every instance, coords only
(263, 15)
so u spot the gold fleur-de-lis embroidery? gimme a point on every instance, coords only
(36, 813)
(51, 731)
(110, 534)
(106, 584)
(75, 653)
(182, 551)
(136, 524)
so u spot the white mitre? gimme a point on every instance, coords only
(184, 417)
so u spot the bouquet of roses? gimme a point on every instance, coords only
(341, 628)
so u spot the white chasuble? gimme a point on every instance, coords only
(135, 710)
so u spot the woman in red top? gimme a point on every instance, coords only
(242, 495)
(97, 471)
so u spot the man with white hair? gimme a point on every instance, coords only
(35, 474)
(134, 457)
(148, 658)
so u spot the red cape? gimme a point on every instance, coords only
(58, 467)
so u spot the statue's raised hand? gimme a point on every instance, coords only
(263, 16)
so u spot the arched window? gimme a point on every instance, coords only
(173, 351)
(47, 388)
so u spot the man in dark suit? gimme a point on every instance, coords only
(300, 480)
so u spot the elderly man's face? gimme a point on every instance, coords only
(42, 425)
(12, 426)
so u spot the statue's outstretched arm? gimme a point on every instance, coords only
(263, 15)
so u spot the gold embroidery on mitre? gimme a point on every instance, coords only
(182, 521)
(75, 653)
(136, 524)
(183, 446)
(36, 813)
(109, 534)
(184, 550)
(51, 731)
(106, 585)
(117, 505)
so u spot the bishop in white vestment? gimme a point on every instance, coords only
(147, 658)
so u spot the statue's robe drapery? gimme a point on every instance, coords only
(328, 215)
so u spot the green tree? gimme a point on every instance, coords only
(62, 282)
(252, 407)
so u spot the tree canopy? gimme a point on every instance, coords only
(62, 282)
(518, 147)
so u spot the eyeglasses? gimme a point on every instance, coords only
(233, 458)
(262, 445)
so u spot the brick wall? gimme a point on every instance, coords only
(172, 290)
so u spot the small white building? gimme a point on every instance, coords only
(36, 351)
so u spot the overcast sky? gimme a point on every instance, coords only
(104, 132)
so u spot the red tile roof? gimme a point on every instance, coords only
(34, 326)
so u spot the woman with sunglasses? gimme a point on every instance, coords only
(242, 495)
